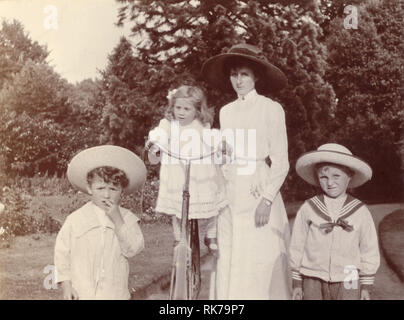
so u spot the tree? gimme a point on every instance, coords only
(86, 103)
(82, 123)
(44, 120)
(332, 9)
(181, 35)
(130, 97)
(16, 48)
(33, 105)
(30, 146)
(36, 90)
(186, 32)
(365, 69)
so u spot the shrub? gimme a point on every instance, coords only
(391, 238)
(144, 204)
(14, 221)
(43, 185)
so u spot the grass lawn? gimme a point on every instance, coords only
(391, 236)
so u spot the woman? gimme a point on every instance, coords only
(254, 234)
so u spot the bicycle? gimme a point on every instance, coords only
(186, 272)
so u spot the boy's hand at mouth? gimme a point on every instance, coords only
(113, 212)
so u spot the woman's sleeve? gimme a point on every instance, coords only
(62, 252)
(278, 150)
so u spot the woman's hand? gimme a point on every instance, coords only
(224, 152)
(69, 293)
(262, 213)
(225, 148)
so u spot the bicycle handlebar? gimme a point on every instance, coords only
(182, 157)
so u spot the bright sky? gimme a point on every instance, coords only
(79, 33)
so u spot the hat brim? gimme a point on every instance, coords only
(213, 72)
(305, 166)
(106, 155)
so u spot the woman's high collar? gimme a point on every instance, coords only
(253, 93)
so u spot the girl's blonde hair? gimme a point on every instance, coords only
(198, 99)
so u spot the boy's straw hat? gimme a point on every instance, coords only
(106, 155)
(213, 71)
(333, 153)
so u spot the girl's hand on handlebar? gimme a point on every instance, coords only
(148, 145)
(153, 149)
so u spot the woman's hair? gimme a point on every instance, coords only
(197, 98)
(239, 62)
(321, 165)
(110, 175)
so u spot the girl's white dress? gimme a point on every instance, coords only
(253, 261)
(206, 185)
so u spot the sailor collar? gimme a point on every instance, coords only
(350, 206)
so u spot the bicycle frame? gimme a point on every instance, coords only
(180, 291)
(185, 258)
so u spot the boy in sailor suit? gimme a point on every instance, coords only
(334, 252)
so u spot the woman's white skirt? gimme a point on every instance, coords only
(253, 261)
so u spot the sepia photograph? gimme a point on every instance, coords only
(201, 150)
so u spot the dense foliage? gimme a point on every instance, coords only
(365, 68)
(44, 120)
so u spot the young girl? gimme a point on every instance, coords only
(188, 116)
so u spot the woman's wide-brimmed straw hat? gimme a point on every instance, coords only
(106, 155)
(333, 153)
(213, 68)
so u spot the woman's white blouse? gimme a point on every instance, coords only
(257, 124)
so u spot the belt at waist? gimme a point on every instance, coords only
(267, 159)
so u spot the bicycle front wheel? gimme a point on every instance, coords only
(194, 268)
